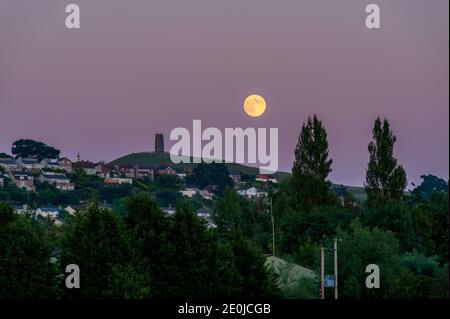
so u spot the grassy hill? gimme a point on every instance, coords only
(289, 273)
(358, 192)
(156, 160)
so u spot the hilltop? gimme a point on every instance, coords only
(155, 160)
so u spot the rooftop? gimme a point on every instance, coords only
(7, 160)
(21, 173)
(55, 176)
(29, 160)
(84, 164)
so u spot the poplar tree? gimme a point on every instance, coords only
(385, 179)
(311, 166)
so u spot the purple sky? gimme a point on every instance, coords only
(140, 67)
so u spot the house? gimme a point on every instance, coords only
(205, 214)
(61, 181)
(167, 170)
(113, 171)
(73, 208)
(128, 171)
(262, 178)
(105, 205)
(57, 221)
(51, 212)
(145, 172)
(263, 193)
(9, 164)
(211, 188)
(235, 176)
(168, 210)
(21, 209)
(87, 166)
(51, 164)
(23, 179)
(189, 192)
(273, 180)
(65, 164)
(118, 180)
(252, 192)
(102, 170)
(29, 163)
(181, 175)
(65, 186)
(203, 193)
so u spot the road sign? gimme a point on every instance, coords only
(329, 281)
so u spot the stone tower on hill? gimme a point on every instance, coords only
(159, 143)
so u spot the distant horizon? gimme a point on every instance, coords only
(73, 159)
(129, 72)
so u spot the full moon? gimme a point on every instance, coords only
(254, 105)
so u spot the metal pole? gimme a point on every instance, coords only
(273, 228)
(322, 273)
(335, 270)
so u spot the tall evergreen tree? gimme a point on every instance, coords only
(189, 271)
(311, 166)
(385, 179)
(26, 271)
(96, 241)
(149, 227)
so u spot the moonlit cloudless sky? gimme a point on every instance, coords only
(136, 68)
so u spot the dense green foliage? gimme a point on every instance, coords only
(430, 185)
(136, 250)
(96, 241)
(144, 254)
(25, 251)
(30, 148)
(211, 174)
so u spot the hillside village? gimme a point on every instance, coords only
(60, 174)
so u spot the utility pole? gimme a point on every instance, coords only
(322, 273)
(335, 270)
(273, 228)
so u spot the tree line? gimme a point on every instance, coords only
(145, 253)
(405, 234)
